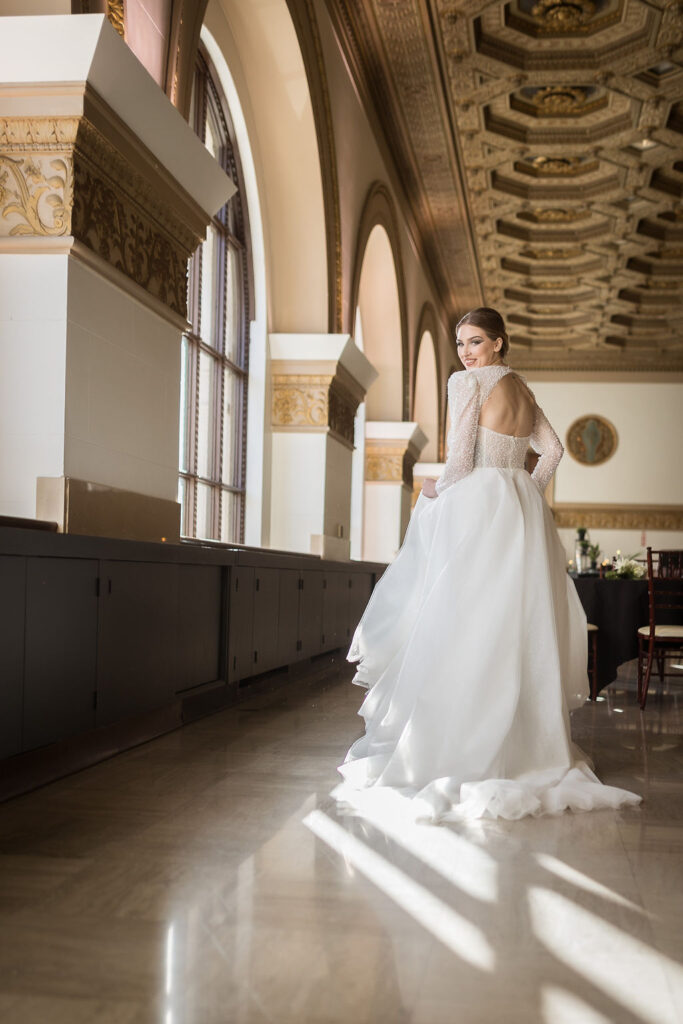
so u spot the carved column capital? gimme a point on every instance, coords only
(318, 383)
(391, 451)
(119, 172)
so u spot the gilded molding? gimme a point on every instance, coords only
(62, 176)
(389, 461)
(316, 402)
(619, 517)
(115, 15)
(35, 195)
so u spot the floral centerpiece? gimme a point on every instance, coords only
(626, 568)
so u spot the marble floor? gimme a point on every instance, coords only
(206, 878)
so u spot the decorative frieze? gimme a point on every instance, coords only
(619, 517)
(391, 459)
(61, 176)
(317, 402)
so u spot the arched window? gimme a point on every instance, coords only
(215, 350)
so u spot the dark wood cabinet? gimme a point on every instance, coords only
(201, 619)
(137, 663)
(12, 618)
(60, 649)
(240, 623)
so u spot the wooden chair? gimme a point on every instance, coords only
(665, 596)
(593, 659)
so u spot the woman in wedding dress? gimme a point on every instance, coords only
(473, 645)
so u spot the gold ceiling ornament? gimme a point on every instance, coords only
(553, 166)
(551, 254)
(559, 214)
(552, 285)
(563, 15)
(558, 100)
(116, 16)
(592, 440)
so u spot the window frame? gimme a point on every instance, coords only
(231, 228)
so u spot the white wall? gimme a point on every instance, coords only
(122, 389)
(33, 311)
(647, 467)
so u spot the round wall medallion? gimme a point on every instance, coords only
(591, 440)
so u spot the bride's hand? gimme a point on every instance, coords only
(429, 487)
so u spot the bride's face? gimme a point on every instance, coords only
(475, 348)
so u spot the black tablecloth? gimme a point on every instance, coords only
(618, 608)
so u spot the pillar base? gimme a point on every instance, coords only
(96, 510)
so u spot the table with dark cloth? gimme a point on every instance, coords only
(618, 608)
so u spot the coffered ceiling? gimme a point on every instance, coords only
(540, 143)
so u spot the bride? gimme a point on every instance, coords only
(473, 644)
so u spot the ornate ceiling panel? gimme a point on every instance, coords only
(541, 143)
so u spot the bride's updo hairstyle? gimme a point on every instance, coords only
(491, 323)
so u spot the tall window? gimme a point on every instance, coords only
(215, 350)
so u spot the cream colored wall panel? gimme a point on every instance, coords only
(32, 371)
(337, 489)
(384, 509)
(24, 457)
(33, 286)
(259, 43)
(298, 489)
(123, 388)
(647, 467)
(87, 461)
(100, 307)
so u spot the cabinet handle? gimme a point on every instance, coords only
(255, 656)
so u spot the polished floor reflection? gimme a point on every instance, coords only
(207, 878)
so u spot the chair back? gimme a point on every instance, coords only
(665, 586)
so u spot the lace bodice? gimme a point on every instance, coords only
(505, 451)
(470, 445)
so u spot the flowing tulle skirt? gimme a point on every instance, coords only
(473, 649)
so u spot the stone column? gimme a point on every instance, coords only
(105, 192)
(391, 451)
(318, 381)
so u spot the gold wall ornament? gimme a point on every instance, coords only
(618, 517)
(35, 195)
(115, 14)
(63, 176)
(389, 461)
(112, 226)
(317, 402)
(591, 440)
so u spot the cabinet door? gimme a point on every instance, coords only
(266, 591)
(200, 625)
(241, 624)
(311, 612)
(61, 649)
(334, 599)
(12, 618)
(359, 595)
(138, 639)
(288, 640)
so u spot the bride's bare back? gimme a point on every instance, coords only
(510, 408)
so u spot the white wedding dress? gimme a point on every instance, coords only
(473, 645)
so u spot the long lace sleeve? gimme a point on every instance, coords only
(545, 441)
(464, 400)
